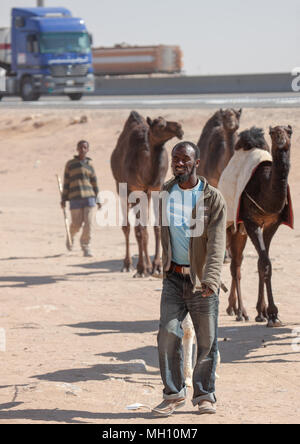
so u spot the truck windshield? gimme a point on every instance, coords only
(62, 42)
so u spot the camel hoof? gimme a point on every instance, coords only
(157, 274)
(260, 318)
(126, 269)
(274, 324)
(247, 319)
(155, 271)
(230, 311)
(239, 318)
(139, 275)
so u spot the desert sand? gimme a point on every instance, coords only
(77, 336)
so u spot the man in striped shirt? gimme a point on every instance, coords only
(81, 189)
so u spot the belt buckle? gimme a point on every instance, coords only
(185, 270)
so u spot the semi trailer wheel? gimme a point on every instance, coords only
(75, 96)
(28, 92)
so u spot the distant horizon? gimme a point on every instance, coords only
(215, 39)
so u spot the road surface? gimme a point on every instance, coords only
(284, 100)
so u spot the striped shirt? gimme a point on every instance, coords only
(80, 180)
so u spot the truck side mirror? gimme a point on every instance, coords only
(91, 39)
(19, 22)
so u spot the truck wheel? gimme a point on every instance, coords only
(27, 90)
(1, 97)
(75, 96)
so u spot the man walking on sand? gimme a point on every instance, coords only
(81, 189)
(192, 263)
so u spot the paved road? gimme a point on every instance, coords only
(285, 100)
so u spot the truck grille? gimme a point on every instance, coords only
(69, 70)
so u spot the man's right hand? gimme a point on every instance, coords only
(63, 204)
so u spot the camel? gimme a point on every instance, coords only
(140, 160)
(217, 142)
(265, 204)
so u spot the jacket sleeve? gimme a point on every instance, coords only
(216, 244)
(66, 186)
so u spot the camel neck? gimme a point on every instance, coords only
(153, 142)
(279, 179)
(230, 138)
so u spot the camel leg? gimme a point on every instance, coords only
(232, 307)
(272, 310)
(127, 263)
(144, 263)
(261, 242)
(227, 259)
(261, 304)
(232, 300)
(141, 266)
(237, 246)
(145, 237)
(156, 264)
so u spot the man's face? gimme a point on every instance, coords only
(83, 149)
(183, 163)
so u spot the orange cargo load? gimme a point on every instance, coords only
(125, 60)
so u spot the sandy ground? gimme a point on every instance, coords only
(80, 335)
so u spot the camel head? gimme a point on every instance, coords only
(281, 137)
(162, 130)
(231, 119)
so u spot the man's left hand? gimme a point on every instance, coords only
(206, 291)
(99, 206)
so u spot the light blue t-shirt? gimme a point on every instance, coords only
(179, 213)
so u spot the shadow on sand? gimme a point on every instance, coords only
(67, 416)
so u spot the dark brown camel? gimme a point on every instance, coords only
(140, 160)
(217, 142)
(265, 205)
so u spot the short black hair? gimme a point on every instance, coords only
(81, 142)
(186, 144)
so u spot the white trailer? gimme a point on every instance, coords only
(5, 47)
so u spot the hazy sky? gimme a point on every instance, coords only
(216, 37)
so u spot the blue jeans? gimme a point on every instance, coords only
(177, 299)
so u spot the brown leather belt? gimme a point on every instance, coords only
(180, 269)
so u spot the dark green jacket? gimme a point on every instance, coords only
(206, 250)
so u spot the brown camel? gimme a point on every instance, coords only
(265, 205)
(140, 160)
(217, 142)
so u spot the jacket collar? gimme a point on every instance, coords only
(207, 189)
(87, 159)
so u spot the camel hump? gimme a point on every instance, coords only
(136, 117)
(252, 138)
(213, 122)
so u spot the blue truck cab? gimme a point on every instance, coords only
(50, 54)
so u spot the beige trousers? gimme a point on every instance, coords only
(82, 216)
